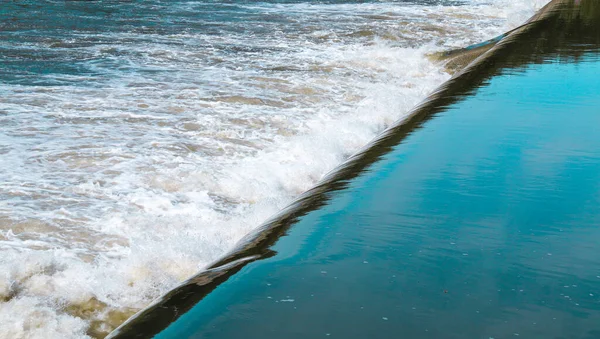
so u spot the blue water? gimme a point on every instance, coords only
(481, 223)
(44, 39)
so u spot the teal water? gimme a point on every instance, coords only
(481, 223)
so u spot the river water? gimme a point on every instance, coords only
(140, 140)
(475, 218)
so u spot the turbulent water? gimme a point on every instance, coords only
(139, 140)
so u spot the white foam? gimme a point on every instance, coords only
(119, 190)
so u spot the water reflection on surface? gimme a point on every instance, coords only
(481, 222)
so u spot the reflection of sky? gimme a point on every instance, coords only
(513, 172)
(523, 154)
(484, 223)
(509, 178)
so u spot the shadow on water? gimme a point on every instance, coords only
(564, 31)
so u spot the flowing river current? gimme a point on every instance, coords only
(140, 140)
